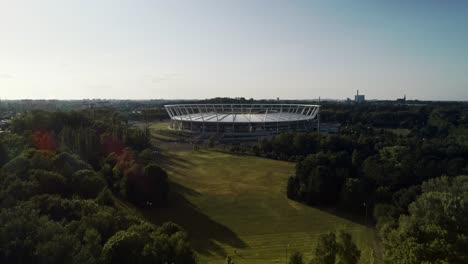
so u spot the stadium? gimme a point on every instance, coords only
(238, 119)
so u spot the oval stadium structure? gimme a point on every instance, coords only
(253, 119)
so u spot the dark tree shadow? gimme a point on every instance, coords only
(174, 160)
(174, 163)
(181, 189)
(356, 216)
(202, 230)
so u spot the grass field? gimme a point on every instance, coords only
(161, 133)
(236, 205)
(159, 126)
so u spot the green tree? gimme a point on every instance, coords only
(149, 187)
(49, 182)
(348, 252)
(105, 197)
(331, 249)
(321, 186)
(87, 183)
(353, 194)
(326, 249)
(296, 258)
(124, 247)
(435, 229)
(3, 154)
(13, 144)
(229, 260)
(90, 250)
(67, 164)
(55, 244)
(170, 245)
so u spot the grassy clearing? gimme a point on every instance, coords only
(159, 126)
(162, 137)
(231, 204)
(161, 133)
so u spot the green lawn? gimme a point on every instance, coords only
(159, 136)
(228, 202)
(161, 132)
(159, 126)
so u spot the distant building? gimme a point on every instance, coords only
(359, 98)
(401, 100)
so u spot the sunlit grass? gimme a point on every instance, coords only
(236, 205)
(159, 126)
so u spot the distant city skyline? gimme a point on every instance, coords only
(142, 49)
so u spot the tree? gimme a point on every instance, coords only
(149, 187)
(87, 183)
(13, 144)
(67, 164)
(56, 244)
(229, 260)
(3, 154)
(18, 247)
(146, 156)
(357, 158)
(82, 140)
(27, 237)
(105, 197)
(143, 244)
(170, 245)
(435, 229)
(90, 249)
(326, 249)
(292, 188)
(348, 252)
(404, 197)
(353, 194)
(212, 141)
(49, 182)
(321, 186)
(123, 247)
(329, 249)
(296, 258)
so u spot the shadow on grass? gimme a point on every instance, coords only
(178, 188)
(205, 233)
(173, 162)
(358, 216)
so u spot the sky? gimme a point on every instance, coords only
(148, 49)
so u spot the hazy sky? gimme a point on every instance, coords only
(262, 49)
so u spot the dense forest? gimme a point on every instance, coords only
(63, 176)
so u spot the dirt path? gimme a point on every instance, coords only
(378, 255)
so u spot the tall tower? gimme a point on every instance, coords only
(359, 98)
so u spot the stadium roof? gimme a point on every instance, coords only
(242, 113)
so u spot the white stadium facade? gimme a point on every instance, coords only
(242, 119)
